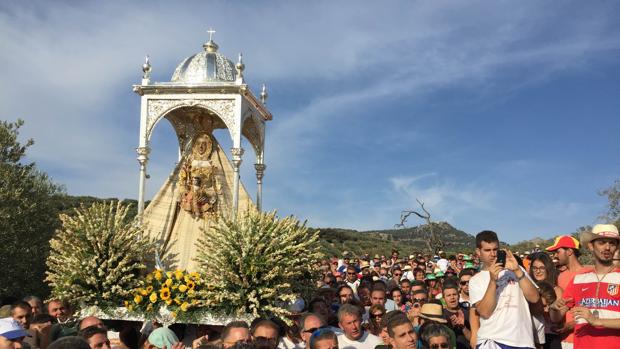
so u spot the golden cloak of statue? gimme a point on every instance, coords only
(197, 181)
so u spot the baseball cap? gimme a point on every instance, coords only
(10, 329)
(469, 265)
(564, 241)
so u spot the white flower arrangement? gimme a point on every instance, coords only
(257, 263)
(97, 256)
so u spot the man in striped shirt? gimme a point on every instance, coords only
(593, 295)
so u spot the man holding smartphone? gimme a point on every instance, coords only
(500, 294)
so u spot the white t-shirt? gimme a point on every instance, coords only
(511, 322)
(286, 343)
(367, 341)
(443, 264)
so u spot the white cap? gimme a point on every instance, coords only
(10, 329)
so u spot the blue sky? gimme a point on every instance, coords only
(498, 115)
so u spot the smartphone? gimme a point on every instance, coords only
(501, 257)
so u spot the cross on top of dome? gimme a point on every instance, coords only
(210, 46)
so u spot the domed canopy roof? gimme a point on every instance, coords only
(205, 67)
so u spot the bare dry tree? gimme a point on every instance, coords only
(434, 242)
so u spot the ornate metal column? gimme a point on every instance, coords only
(260, 172)
(143, 158)
(237, 153)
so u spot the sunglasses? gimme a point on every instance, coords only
(351, 273)
(419, 300)
(463, 283)
(376, 315)
(264, 339)
(240, 341)
(440, 345)
(396, 274)
(314, 329)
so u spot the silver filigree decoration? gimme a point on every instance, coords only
(253, 130)
(204, 67)
(223, 108)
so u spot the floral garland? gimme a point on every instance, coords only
(176, 291)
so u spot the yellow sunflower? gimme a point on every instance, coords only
(143, 292)
(183, 288)
(157, 274)
(164, 293)
(137, 299)
(153, 297)
(184, 306)
(178, 274)
(191, 285)
(168, 282)
(149, 289)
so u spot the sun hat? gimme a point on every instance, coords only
(564, 241)
(407, 267)
(10, 329)
(433, 312)
(364, 264)
(430, 276)
(163, 336)
(600, 231)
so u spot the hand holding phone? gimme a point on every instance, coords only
(501, 257)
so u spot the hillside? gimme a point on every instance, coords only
(406, 240)
(455, 240)
(335, 241)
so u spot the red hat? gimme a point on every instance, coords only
(564, 241)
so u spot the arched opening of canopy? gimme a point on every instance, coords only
(189, 120)
(253, 131)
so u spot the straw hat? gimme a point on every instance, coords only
(433, 312)
(600, 231)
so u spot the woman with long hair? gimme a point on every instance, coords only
(375, 314)
(543, 269)
(545, 274)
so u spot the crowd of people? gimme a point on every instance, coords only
(491, 298)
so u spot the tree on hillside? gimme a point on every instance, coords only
(613, 206)
(434, 242)
(27, 216)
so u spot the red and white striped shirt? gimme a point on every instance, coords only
(582, 289)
